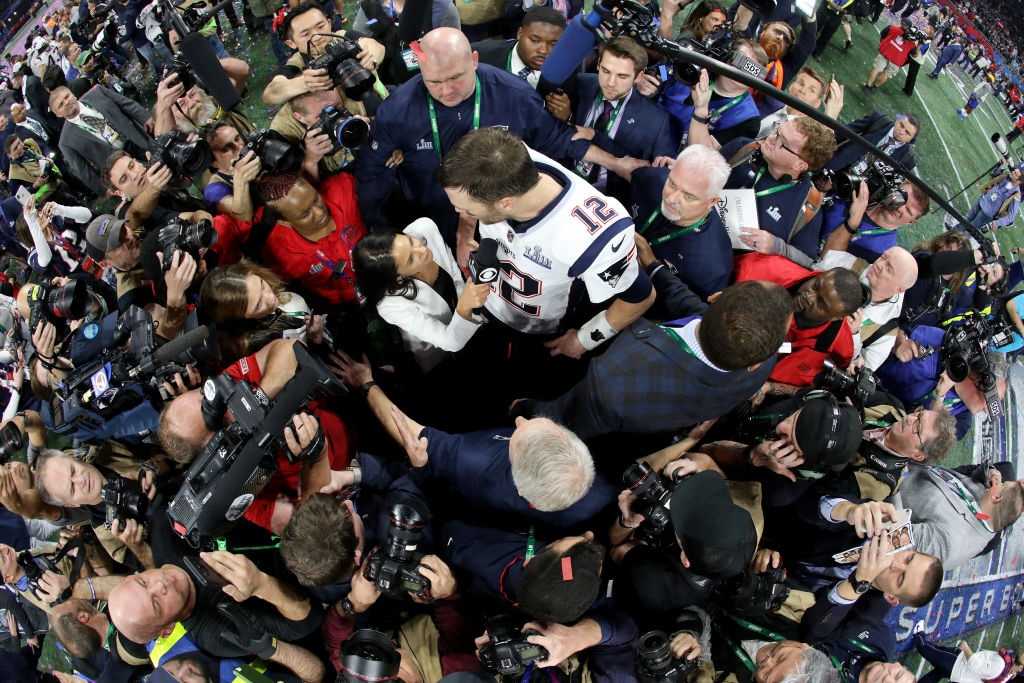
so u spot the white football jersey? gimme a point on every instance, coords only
(582, 235)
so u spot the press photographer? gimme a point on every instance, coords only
(329, 131)
(154, 193)
(229, 189)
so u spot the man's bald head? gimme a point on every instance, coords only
(448, 66)
(146, 605)
(894, 272)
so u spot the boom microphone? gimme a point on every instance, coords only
(575, 45)
(174, 349)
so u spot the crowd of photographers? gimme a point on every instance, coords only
(463, 368)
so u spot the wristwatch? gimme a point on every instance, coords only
(859, 587)
(706, 120)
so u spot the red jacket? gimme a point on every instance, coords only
(812, 346)
(285, 481)
(895, 47)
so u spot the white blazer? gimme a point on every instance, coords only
(429, 327)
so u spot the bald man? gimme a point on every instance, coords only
(889, 276)
(866, 228)
(452, 95)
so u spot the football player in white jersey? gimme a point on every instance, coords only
(552, 229)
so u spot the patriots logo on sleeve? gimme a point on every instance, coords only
(614, 272)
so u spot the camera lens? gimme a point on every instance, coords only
(353, 78)
(368, 656)
(69, 302)
(653, 651)
(352, 133)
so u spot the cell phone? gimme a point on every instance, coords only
(23, 195)
(807, 7)
(203, 574)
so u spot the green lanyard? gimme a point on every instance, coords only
(717, 113)
(686, 229)
(616, 112)
(433, 117)
(771, 190)
(873, 231)
(671, 331)
(531, 546)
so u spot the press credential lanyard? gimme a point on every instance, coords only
(771, 190)
(686, 229)
(433, 117)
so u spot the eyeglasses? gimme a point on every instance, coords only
(776, 134)
(919, 427)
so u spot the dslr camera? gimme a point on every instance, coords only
(885, 185)
(182, 70)
(344, 130)
(59, 304)
(368, 655)
(912, 32)
(277, 154)
(393, 567)
(11, 441)
(507, 653)
(123, 499)
(755, 593)
(652, 501)
(182, 235)
(34, 566)
(342, 65)
(185, 158)
(858, 387)
(965, 349)
(655, 663)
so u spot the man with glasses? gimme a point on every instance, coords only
(865, 227)
(777, 168)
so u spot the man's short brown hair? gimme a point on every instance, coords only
(319, 543)
(489, 164)
(626, 48)
(820, 145)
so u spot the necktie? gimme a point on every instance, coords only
(524, 73)
(599, 125)
(97, 124)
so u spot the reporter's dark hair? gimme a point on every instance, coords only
(376, 273)
(691, 27)
(78, 639)
(319, 543)
(545, 593)
(930, 584)
(108, 166)
(543, 15)
(746, 324)
(625, 47)
(290, 14)
(848, 289)
(489, 164)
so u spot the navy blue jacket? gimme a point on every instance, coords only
(644, 130)
(777, 213)
(703, 258)
(855, 635)
(872, 128)
(472, 475)
(403, 122)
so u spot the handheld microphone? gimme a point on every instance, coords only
(483, 264)
(575, 45)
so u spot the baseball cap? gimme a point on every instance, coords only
(83, 57)
(717, 535)
(103, 235)
(827, 433)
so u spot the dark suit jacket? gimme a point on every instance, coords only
(831, 628)
(84, 154)
(873, 128)
(643, 131)
(494, 51)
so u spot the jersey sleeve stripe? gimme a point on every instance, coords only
(597, 246)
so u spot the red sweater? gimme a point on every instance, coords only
(285, 481)
(895, 47)
(807, 358)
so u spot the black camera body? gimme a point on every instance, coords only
(965, 346)
(58, 304)
(124, 500)
(183, 235)
(508, 652)
(277, 154)
(11, 441)
(237, 462)
(34, 566)
(182, 70)
(652, 501)
(885, 184)
(858, 387)
(655, 663)
(344, 130)
(340, 60)
(394, 566)
(185, 158)
(755, 593)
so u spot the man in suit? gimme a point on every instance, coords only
(959, 513)
(100, 123)
(540, 29)
(656, 379)
(617, 118)
(895, 138)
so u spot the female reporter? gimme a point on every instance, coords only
(250, 306)
(413, 282)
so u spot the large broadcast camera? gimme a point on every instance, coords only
(182, 235)
(130, 368)
(368, 655)
(239, 459)
(340, 61)
(508, 652)
(755, 594)
(394, 566)
(655, 663)
(965, 349)
(885, 185)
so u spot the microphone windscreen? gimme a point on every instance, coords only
(575, 45)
